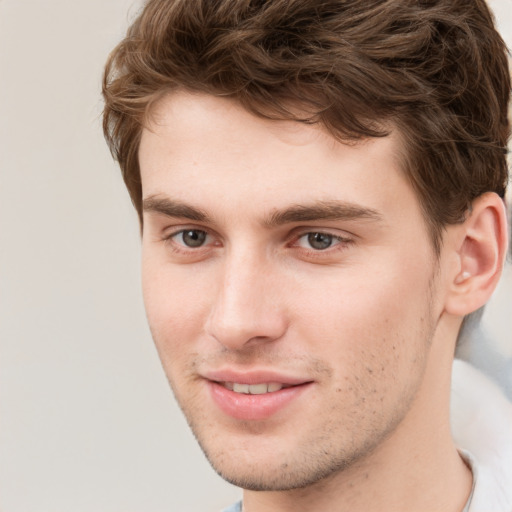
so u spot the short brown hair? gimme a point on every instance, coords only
(435, 69)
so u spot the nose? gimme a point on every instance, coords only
(247, 308)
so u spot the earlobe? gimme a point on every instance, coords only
(481, 254)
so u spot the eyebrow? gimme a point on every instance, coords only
(319, 210)
(322, 210)
(173, 208)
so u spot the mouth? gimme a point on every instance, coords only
(256, 396)
(254, 389)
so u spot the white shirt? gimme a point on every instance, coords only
(481, 419)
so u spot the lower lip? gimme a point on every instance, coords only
(254, 407)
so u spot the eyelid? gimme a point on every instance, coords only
(343, 236)
(342, 241)
(181, 235)
(335, 239)
(340, 238)
(169, 234)
(175, 229)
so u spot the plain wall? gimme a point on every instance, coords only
(87, 421)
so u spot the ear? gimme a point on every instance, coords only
(481, 247)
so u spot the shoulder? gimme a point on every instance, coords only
(481, 419)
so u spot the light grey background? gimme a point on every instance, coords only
(87, 422)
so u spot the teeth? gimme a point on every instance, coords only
(241, 388)
(253, 389)
(258, 389)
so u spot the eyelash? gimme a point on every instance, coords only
(335, 240)
(181, 248)
(339, 243)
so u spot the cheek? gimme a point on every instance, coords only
(376, 347)
(359, 303)
(176, 307)
(381, 324)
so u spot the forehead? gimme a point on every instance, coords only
(222, 117)
(211, 152)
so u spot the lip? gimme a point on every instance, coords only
(254, 377)
(248, 407)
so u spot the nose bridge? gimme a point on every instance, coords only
(246, 306)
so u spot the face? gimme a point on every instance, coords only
(289, 282)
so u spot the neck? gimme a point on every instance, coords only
(416, 468)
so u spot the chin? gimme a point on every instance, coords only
(283, 477)
(256, 469)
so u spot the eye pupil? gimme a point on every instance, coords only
(194, 237)
(319, 241)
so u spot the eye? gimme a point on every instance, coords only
(318, 241)
(192, 238)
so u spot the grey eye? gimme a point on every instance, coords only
(320, 241)
(193, 237)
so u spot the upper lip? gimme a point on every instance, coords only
(254, 377)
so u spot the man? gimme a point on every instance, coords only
(320, 189)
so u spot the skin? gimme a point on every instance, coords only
(363, 321)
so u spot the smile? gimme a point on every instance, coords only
(256, 401)
(253, 389)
